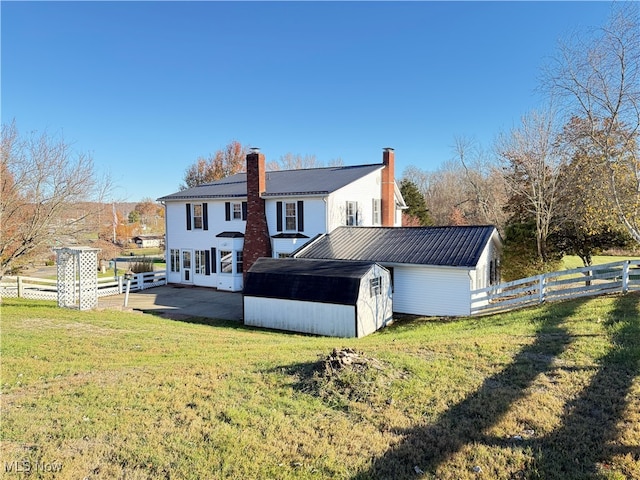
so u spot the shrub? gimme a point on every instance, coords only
(142, 265)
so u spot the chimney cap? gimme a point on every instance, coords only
(255, 149)
(388, 149)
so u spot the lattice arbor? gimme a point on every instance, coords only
(77, 269)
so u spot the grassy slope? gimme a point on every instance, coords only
(551, 392)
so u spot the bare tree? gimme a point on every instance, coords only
(420, 178)
(532, 167)
(598, 77)
(227, 161)
(289, 161)
(485, 183)
(49, 195)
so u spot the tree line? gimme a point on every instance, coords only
(566, 178)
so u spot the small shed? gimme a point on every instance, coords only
(323, 297)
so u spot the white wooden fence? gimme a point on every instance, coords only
(614, 277)
(45, 289)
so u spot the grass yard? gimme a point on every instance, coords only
(573, 261)
(545, 393)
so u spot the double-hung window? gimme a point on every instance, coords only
(197, 215)
(290, 216)
(239, 263)
(376, 212)
(237, 211)
(352, 213)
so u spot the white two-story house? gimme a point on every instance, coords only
(216, 231)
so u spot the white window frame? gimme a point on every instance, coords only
(196, 211)
(291, 218)
(236, 211)
(200, 262)
(376, 212)
(352, 213)
(226, 261)
(174, 259)
(239, 261)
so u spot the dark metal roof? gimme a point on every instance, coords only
(290, 235)
(312, 181)
(443, 246)
(324, 281)
(230, 235)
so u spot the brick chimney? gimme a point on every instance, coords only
(388, 188)
(257, 242)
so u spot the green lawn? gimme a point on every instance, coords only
(573, 261)
(548, 393)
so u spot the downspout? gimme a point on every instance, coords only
(166, 243)
(326, 214)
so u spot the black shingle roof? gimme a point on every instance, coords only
(444, 246)
(312, 181)
(325, 281)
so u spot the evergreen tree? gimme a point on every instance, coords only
(415, 201)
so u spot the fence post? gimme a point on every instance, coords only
(540, 288)
(120, 286)
(20, 287)
(625, 277)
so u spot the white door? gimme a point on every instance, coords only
(186, 266)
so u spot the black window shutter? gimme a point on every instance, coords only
(188, 216)
(205, 216)
(207, 263)
(244, 210)
(227, 211)
(300, 216)
(279, 216)
(213, 260)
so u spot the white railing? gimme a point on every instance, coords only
(614, 277)
(46, 289)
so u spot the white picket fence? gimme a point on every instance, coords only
(614, 277)
(45, 289)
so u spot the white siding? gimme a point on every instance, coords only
(296, 316)
(178, 237)
(362, 191)
(374, 312)
(314, 222)
(432, 291)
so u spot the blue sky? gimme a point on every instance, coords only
(148, 87)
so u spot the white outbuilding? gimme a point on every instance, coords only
(434, 270)
(323, 297)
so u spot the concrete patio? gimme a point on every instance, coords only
(179, 302)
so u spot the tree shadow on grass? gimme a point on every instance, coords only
(589, 436)
(427, 447)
